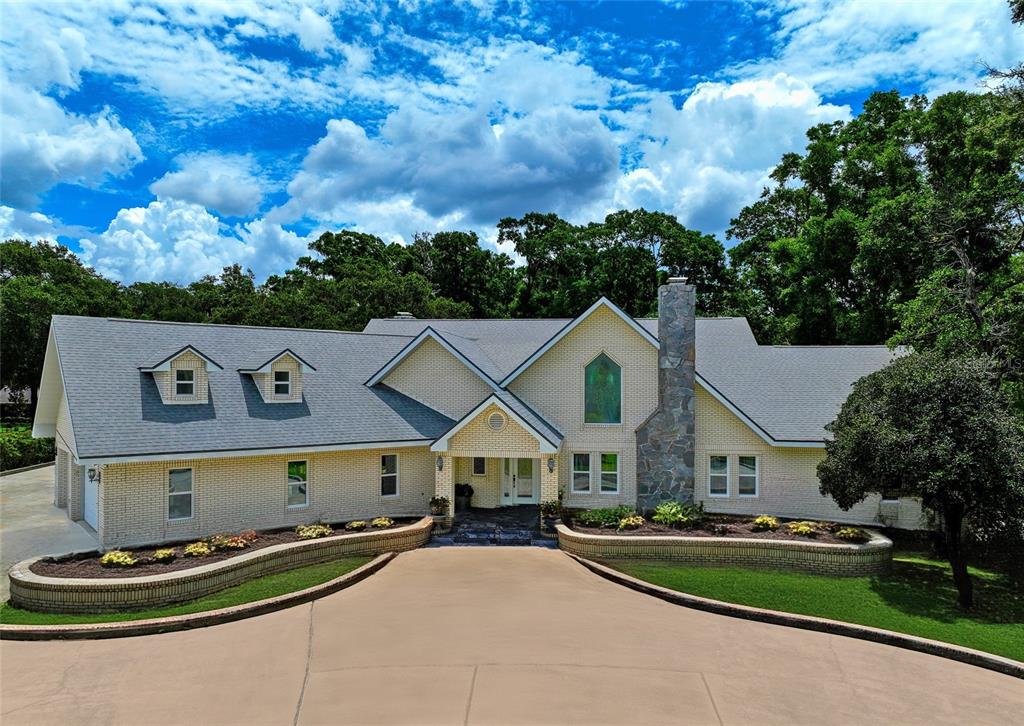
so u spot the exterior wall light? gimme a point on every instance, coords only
(551, 465)
(94, 473)
(440, 463)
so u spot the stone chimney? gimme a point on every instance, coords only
(665, 441)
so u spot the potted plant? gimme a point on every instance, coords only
(463, 495)
(550, 511)
(439, 506)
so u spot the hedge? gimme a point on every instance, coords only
(18, 448)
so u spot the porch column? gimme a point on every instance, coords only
(60, 480)
(444, 482)
(549, 479)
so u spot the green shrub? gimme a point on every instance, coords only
(168, 554)
(803, 529)
(633, 521)
(198, 549)
(315, 531)
(852, 534)
(676, 514)
(356, 525)
(117, 558)
(608, 517)
(18, 449)
(381, 522)
(551, 508)
(764, 523)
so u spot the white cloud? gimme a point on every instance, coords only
(44, 145)
(314, 30)
(16, 224)
(226, 183)
(853, 44)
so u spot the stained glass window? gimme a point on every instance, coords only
(602, 391)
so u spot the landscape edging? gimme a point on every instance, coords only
(977, 658)
(30, 467)
(153, 626)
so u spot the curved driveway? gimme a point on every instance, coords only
(493, 636)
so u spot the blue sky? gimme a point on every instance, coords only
(167, 140)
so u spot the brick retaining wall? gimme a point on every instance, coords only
(870, 558)
(95, 595)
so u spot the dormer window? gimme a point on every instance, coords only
(184, 382)
(282, 383)
(278, 374)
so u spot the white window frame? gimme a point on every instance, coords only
(191, 383)
(287, 382)
(574, 471)
(622, 391)
(190, 494)
(397, 475)
(472, 466)
(288, 484)
(757, 475)
(601, 472)
(728, 475)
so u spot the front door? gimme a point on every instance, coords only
(90, 495)
(521, 484)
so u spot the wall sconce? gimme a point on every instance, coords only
(440, 463)
(94, 473)
(551, 465)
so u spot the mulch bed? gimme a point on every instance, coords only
(716, 526)
(88, 565)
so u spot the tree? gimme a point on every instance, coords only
(938, 429)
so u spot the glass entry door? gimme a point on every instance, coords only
(521, 485)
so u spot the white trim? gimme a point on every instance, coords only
(544, 446)
(191, 493)
(622, 391)
(415, 343)
(397, 475)
(573, 471)
(605, 302)
(728, 475)
(165, 365)
(288, 484)
(231, 454)
(266, 367)
(274, 383)
(750, 422)
(192, 382)
(618, 474)
(757, 476)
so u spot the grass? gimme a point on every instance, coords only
(259, 589)
(917, 597)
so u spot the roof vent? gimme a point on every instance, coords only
(496, 421)
(403, 315)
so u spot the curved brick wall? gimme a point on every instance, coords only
(870, 558)
(79, 594)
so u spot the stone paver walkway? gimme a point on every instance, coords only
(495, 635)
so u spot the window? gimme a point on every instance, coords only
(479, 466)
(602, 391)
(581, 473)
(282, 383)
(890, 495)
(609, 473)
(389, 475)
(718, 481)
(747, 484)
(297, 482)
(184, 382)
(179, 494)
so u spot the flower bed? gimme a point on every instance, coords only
(33, 591)
(164, 559)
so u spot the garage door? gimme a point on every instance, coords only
(90, 498)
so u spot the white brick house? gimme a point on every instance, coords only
(171, 431)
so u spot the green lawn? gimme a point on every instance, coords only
(258, 589)
(917, 597)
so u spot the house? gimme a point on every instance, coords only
(169, 431)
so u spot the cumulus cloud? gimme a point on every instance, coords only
(226, 183)
(16, 224)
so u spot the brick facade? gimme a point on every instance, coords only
(265, 381)
(165, 380)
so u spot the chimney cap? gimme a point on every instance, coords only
(677, 280)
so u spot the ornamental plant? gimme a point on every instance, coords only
(551, 508)
(249, 535)
(606, 517)
(234, 542)
(356, 525)
(802, 529)
(677, 514)
(168, 554)
(315, 531)
(439, 505)
(852, 534)
(198, 549)
(381, 522)
(634, 521)
(764, 523)
(118, 558)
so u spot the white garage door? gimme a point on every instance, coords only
(90, 498)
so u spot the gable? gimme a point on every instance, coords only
(476, 437)
(436, 378)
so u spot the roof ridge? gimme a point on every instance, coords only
(233, 325)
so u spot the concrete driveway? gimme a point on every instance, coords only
(494, 636)
(29, 523)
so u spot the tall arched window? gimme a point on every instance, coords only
(602, 391)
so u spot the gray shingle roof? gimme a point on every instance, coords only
(116, 409)
(791, 393)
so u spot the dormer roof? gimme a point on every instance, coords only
(165, 364)
(264, 363)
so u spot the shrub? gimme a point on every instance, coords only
(167, 554)
(802, 529)
(676, 514)
(852, 534)
(633, 521)
(249, 535)
(18, 449)
(198, 549)
(235, 542)
(315, 531)
(381, 522)
(608, 517)
(356, 525)
(439, 505)
(219, 541)
(551, 508)
(764, 523)
(118, 558)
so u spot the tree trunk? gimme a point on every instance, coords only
(955, 553)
